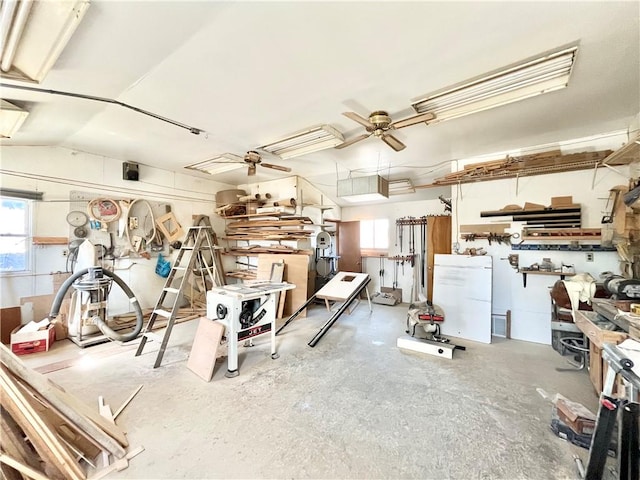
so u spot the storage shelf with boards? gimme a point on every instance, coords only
(526, 272)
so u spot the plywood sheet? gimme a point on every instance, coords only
(202, 358)
(462, 288)
(342, 286)
(296, 272)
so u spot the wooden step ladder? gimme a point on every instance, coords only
(200, 260)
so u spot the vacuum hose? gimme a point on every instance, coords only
(100, 322)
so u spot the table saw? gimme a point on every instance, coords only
(246, 311)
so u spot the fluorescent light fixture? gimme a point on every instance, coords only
(401, 187)
(224, 162)
(363, 189)
(534, 76)
(306, 141)
(34, 34)
(11, 118)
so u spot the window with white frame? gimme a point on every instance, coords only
(374, 234)
(15, 230)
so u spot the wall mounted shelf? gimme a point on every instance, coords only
(539, 272)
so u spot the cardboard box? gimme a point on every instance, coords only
(559, 202)
(32, 342)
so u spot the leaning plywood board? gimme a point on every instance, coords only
(202, 358)
(462, 288)
(342, 286)
(37, 307)
(296, 272)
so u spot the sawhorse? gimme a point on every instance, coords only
(329, 323)
(626, 411)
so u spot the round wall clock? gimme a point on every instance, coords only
(77, 218)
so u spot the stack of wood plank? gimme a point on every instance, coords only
(253, 250)
(526, 165)
(289, 228)
(541, 217)
(49, 434)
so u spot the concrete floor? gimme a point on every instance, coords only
(354, 407)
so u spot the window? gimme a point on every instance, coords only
(14, 234)
(374, 234)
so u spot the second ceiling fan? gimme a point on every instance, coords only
(379, 125)
(253, 158)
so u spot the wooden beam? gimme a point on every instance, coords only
(109, 436)
(43, 438)
(25, 469)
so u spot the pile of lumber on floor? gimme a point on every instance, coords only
(49, 434)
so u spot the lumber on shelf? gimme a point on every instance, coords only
(523, 166)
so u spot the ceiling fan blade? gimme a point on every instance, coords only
(393, 142)
(423, 117)
(353, 140)
(276, 167)
(357, 118)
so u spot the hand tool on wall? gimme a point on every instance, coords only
(423, 239)
(395, 274)
(613, 199)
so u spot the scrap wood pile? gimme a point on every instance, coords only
(49, 434)
(525, 165)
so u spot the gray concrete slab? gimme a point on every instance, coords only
(355, 406)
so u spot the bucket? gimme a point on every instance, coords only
(226, 197)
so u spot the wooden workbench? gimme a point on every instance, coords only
(598, 332)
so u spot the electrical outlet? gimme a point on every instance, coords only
(589, 257)
(65, 253)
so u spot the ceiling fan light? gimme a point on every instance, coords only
(305, 141)
(537, 75)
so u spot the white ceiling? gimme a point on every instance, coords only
(250, 72)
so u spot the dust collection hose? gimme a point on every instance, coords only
(100, 322)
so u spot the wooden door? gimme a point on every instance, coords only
(348, 238)
(438, 241)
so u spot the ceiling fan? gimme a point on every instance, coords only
(253, 159)
(379, 124)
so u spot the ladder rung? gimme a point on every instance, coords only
(152, 336)
(171, 290)
(162, 313)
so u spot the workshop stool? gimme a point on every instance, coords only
(578, 346)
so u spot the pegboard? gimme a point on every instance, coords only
(110, 237)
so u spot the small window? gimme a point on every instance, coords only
(14, 235)
(374, 234)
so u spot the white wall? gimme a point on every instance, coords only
(58, 171)
(530, 306)
(392, 211)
